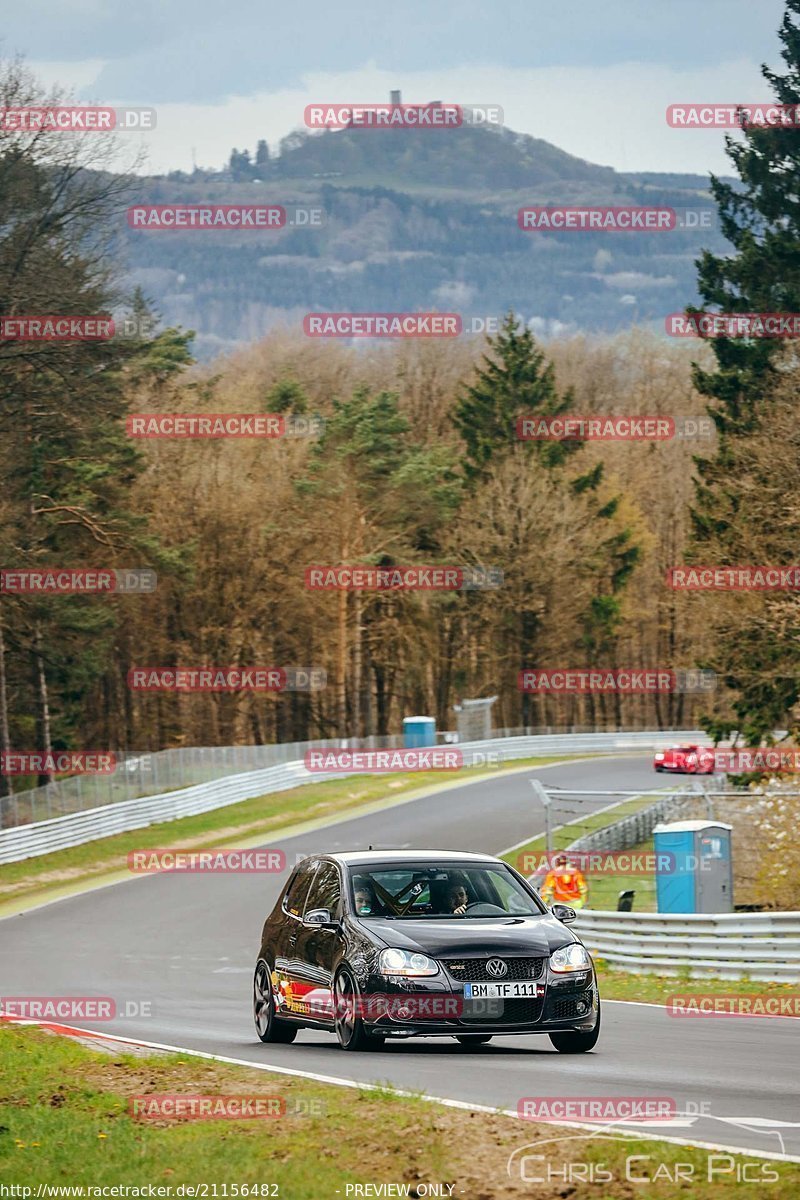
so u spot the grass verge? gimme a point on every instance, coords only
(65, 1121)
(603, 889)
(234, 825)
(656, 989)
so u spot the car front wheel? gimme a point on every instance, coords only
(573, 1041)
(350, 1029)
(268, 1027)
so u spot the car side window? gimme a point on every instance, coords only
(327, 889)
(295, 901)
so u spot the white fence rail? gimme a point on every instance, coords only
(58, 833)
(761, 946)
(153, 773)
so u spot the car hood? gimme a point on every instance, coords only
(534, 936)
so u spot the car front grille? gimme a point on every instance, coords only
(508, 1012)
(566, 1009)
(473, 970)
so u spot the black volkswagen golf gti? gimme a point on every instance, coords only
(427, 943)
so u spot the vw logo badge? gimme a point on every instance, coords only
(496, 968)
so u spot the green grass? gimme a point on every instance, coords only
(604, 890)
(65, 1121)
(656, 989)
(235, 824)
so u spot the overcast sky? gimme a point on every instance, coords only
(592, 76)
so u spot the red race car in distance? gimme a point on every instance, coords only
(686, 760)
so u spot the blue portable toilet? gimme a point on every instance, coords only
(419, 731)
(694, 868)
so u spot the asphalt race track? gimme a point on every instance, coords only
(186, 944)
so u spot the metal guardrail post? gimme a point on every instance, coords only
(543, 796)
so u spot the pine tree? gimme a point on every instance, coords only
(515, 381)
(760, 216)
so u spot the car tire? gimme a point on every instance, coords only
(573, 1041)
(474, 1039)
(351, 1032)
(268, 1027)
(659, 770)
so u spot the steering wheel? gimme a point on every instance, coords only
(487, 910)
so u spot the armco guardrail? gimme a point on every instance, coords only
(28, 841)
(634, 829)
(150, 773)
(57, 833)
(762, 946)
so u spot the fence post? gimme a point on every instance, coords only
(542, 795)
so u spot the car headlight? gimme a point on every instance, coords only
(574, 957)
(659, 757)
(401, 962)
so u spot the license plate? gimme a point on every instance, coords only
(502, 991)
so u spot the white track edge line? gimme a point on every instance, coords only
(446, 1102)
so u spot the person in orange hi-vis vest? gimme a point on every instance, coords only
(564, 884)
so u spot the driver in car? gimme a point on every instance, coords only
(457, 899)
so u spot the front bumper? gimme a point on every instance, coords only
(437, 1007)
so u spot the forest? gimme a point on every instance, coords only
(393, 454)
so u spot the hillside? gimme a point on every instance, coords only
(415, 221)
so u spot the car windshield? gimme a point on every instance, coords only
(458, 891)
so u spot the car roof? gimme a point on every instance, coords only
(362, 858)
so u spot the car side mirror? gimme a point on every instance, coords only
(319, 917)
(563, 913)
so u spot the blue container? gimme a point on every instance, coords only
(419, 731)
(694, 869)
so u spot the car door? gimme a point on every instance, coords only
(317, 946)
(287, 978)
